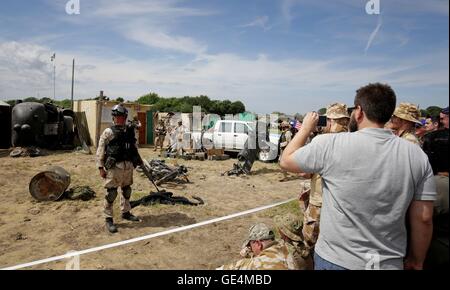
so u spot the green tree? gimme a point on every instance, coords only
(186, 104)
(322, 111)
(433, 111)
(237, 107)
(67, 104)
(298, 116)
(423, 113)
(120, 100)
(149, 99)
(31, 99)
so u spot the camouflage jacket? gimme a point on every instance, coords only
(411, 137)
(278, 256)
(161, 131)
(105, 138)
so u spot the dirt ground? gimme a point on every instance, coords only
(31, 230)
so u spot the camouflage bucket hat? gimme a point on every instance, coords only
(337, 111)
(285, 124)
(259, 232)
(408, 112)
(290, 225)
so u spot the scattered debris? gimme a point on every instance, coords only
(84, 149)
(219, 157)
(201, 156)
(162, 173)
(83, 193)
(246, 158)
(26, 152)
(165, 197)
(51, 185)
(20, 237)
(34, 211)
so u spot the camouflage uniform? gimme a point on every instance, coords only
(411, 113)
(273, 257)
(311, 195)
(137, 125)
(410, 136)
(290, 228)
(121, 175)
(286, 136)
(161, 132)
(285, 139)
(311, 205)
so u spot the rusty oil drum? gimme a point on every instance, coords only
(50, 185)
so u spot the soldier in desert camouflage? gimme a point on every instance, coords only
(263, 252)
(311, 195)
(403, 122)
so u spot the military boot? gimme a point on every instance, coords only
(110, 226)
(130, 217)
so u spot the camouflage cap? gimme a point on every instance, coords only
(290, 225)
(285, 124)
(337, 111)
(408, 112)
(259, 232)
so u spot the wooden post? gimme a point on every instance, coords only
(73, 79)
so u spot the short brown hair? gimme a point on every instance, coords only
(377, 101)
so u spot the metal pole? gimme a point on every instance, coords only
(54, 80)
(73, 78)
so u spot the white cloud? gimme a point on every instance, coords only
(162, 40)
(24, 65)
(286, 9)
(374, 33)
(260, 21)
(116, 8)
(263, 83)
(149, 22)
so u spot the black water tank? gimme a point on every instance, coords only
(28, 121)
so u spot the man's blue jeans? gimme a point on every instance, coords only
(322, 264)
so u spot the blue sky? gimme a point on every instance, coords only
(274, 55)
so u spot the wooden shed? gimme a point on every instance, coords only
(98, 116)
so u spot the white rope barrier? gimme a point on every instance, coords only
(146, 237)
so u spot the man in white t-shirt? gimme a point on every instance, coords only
(374, 183)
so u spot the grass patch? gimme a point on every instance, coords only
(291, 207)
(138, 195)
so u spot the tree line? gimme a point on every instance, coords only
(183, 105)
